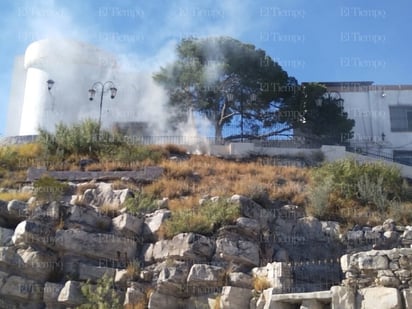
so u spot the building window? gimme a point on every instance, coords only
(401, 118)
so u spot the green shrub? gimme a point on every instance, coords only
(48, 189)
(9, 159)
(100, 296)
(319, 198)
(141, 203)
(346, 173)
(204, 219)
(77, 140)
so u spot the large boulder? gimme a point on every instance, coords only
(234, 297)
(20, 289)
(152, 224)
(17, 210)
(310, 228)
(204, 275)
(379, 297)
(252, 210)
(343, 297)
(185, 246)
(71, 294)
(33, 264)
(95, 245)
(241, 280)
(366, 260)
(133, 296)
(104, 194)
(249, 227)
(5, 236)
(159, 301)
(172, 279)
(94, 273)
(127, 225)
(234, 248)
(51, 294)
(30, 232)
(89, 218)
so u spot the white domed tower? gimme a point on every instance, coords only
(73, 67)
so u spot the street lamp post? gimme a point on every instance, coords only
(92, 92)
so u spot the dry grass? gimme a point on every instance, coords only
(217, 302)
(81, 188)
(260, 284)
(204, 175)
(20, 196)
(110, 210)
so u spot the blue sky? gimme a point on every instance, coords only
(318, 40)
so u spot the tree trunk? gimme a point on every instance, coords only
(218, 133)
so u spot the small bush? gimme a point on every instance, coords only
(133, 270)
(344, 182)
(48, 189)
(100, 296)
(141, 203)
(319, 198)
(8, 158)
(203, 219)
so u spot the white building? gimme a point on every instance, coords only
(383, 117)
(75, 67)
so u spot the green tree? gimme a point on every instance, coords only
(318, 115)
(100, 296)
(222, 78)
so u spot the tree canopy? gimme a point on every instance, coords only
(229, 82)
(317, 115)
(221, 78)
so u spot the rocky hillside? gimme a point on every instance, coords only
(52, 253)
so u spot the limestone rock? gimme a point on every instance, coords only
(51, 293)
(17, 210)
(153, 222)
(104, 194)
(188, 246)
(93, 273)
(95, 245)
(127, 225)
(20, 288)
(234, 297)
(389, 225)
(377, 262)
(34, 264)
(249, 227)
(33, 232)
(407, 296)
(6, 236)
(172, 279)
(251, 209)
(133, 296)
(71, 294)
(206, 275)
(331, 229)
(241, 280)
(310, 228)
(89, 218)
(379, 297)
(343, 298)
(160, 301)
(236, 249)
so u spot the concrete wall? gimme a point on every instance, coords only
(369, 107)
